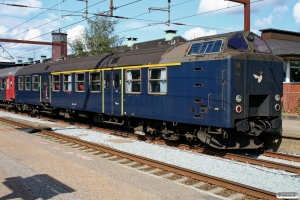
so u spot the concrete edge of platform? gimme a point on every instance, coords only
(290, 117)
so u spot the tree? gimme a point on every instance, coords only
(98, 38)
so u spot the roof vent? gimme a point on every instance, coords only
(170, 34)
(131, 41)
(43, 58)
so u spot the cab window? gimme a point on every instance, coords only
(194, 48)
(205, 47)
(237, 42)
(260, 45)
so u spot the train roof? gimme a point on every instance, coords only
(126, 58)
(10, 71)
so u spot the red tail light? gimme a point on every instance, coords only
(238, 109)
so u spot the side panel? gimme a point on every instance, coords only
(195, 95)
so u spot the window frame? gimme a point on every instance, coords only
(201, 45)
(133, 80)
(29, 83)
(53, 83)
(2, 83)
(117, 82)
(160, 79)
(105, 81)
(34, 82)
(95, 81)
(82, 82)
(235, 48)
(19, 83)
(67, 82)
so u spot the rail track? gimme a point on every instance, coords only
(208, 151)
(181, 172)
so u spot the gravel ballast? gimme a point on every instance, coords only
(260, 177)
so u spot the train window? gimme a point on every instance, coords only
(56, 82)
(158, 80)
(133, 81)
(95, 82)
(67, 82)
(80, 82)
(194, 48)
(117, 81)
(217, 46)
(27, 83)
(2, 83)
(107, 81)
(35, 82)
(237, 42)
(206, 47)
(21, 83)
(260, 45)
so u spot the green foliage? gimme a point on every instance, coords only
(98, 38)
(297, 109)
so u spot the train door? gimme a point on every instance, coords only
(113, 102)
(10, 92)
(45, 88)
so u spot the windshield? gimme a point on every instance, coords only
(237, 42)
(260, 45)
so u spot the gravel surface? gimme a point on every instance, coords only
(255, 176)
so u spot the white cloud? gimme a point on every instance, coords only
(19, 11)
(3, 29)
(75, 32)
(282, 9)
(198, 32)
(33, 34)
(236, 8)
(264, 22)
(296, 13)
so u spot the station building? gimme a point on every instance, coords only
(286, 44)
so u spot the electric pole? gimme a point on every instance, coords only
(164, 9)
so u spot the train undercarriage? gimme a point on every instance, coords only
(244, 136)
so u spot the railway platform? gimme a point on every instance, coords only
(35, 168)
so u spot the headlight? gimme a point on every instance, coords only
(238, 98)
(277, 97)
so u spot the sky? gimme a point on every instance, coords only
(40, 18)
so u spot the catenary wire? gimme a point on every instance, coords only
(32, 18)
(70, 24)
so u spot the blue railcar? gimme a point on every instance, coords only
(222, 90)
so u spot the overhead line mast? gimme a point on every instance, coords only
(164, 9)
(246, 12)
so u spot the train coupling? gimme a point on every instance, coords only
(257, 127)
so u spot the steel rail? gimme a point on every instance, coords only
(212, 152)
(281, 156)
(256, 192)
